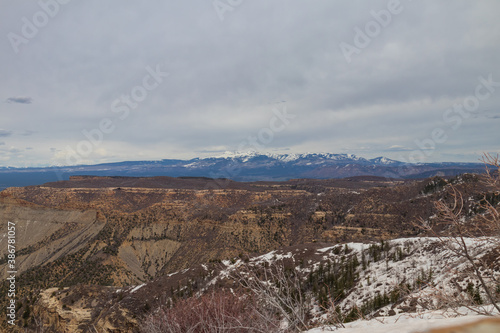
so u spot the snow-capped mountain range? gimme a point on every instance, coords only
(246, 166)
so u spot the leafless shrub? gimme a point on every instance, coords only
(215, 312)
(452, 217)
(279, 291)
(491, 219)
(334, 317)
(38, 324)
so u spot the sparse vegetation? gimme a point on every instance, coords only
(216, 311)
(458, 227)
(219, 228)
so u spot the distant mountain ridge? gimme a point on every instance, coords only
(250, 166)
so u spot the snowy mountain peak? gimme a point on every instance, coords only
(383, 160)
(290, 157)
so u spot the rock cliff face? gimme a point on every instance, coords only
(118, 231)
(386, 264)
(44, 235)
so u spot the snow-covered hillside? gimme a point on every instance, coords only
(402, 280)
(402, 285)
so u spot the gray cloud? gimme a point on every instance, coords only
(14, 150)
(27, 133)
(485, 114)
(5, 133)
(398, 148)
(20, 100)
(224, 75)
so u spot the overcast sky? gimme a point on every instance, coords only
(181, 79)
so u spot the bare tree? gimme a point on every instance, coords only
(492, 217)
(38, 323)
(215, 312)
(452, 217)
(278, 291)
(333, 317)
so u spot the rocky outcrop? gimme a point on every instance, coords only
(122, 231)
(42, 234)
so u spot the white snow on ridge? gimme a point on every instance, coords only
(246, 156)
(423, 264)
(357, 246)
(326, 249)
(137, 288)
(422, 256)
(271, 257)
(236, 154)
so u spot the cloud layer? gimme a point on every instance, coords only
(20, 100)
(5, 133)
(127, 81)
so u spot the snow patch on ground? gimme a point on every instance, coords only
(357, 246)
(137, 288)
(326, 249)
(409, 322)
